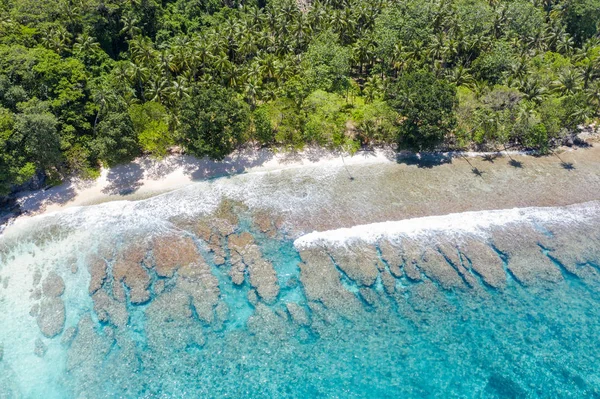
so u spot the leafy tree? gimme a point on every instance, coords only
(213, 121)
(150, 123)
(427, 106)
(265, 134)
(582, 18)
(115, 141)
(37, 136)
(327, 63)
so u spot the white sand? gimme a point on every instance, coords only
(146, 177)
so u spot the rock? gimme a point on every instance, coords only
(262, 275)
(252, 297)
(1, 352)
(173, 252)
(525, 258)
(391, 255)
(159, 287)
(98, 273)
(53, 285)
(225, 218)
(321, 282)
(237, 244)
(412, 253)
(388, 281)
(128, 269)
(358, 261)
(197, 280)
(451, 253)
(298, 314)
(40, 348)
(213, 240)
(118, 291)
(68, 336)
(167, 317)
(110, 310)
(51, 318)
(74, 268)
(435, 266)
(575, 247)
(484, 261)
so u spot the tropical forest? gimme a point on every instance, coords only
(92, 83)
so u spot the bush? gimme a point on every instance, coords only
(213, 120)
(427, 105)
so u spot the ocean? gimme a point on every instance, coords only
(223, 289)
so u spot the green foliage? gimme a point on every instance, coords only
(150, 125)
(265, 134)
(116, 139)
(494, 63)
(375, 123)
(105, 80)
(582, 19)
(426, 105)
(325, 120)
(213, 121)
(326, 64)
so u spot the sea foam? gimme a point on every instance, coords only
(473, 223)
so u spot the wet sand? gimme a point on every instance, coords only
(407, 189)
(318, 190)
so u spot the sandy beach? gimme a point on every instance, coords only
(415, 185)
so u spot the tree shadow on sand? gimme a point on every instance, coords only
(423, 160)
(124, 179)
(34, 201)
(515, 164)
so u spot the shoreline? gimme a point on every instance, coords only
(147, 177)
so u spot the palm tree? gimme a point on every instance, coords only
(130, 27)
(568, 82)
(85, 46)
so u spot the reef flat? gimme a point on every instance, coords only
(221, 290)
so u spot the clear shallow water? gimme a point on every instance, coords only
(418, 339)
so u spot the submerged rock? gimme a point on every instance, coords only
(40, 348)
(173, 252)
(525, 259)
(197, 280)
(358, 261)
(246, 255)
(110, 310)
(321, 282)
(484, 261)
(298, 314)
(53, 285)
(128, 269)
(51, 317)
(68, 336)
(170, 325)
(88, 350)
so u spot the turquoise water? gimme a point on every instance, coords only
(420, 341)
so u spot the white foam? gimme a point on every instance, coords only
(476, 222)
